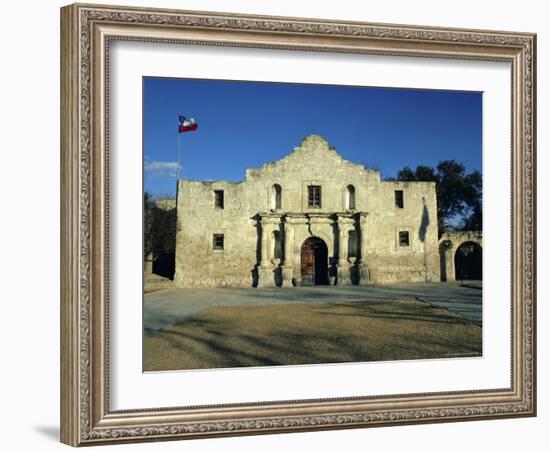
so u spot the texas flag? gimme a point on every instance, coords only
(187, 124)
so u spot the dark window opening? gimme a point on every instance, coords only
(404, 238)
(399, 199)
(218, 199)
(314, 196)
(277, 196)
(351, 197)
(218, 242)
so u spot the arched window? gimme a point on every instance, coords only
(350, 196)
(276, 196)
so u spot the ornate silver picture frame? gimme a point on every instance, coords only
(87, 33)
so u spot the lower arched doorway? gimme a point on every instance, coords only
(314, 262)
(468, 262)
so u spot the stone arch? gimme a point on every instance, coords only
(449, 244)
(328, 240)
(314, 262)
(468, 261)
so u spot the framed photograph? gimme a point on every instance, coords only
(276, 224)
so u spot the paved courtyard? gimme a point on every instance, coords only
(170, 306)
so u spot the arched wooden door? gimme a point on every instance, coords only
(314, 262)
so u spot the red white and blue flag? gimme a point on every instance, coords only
(187, 124)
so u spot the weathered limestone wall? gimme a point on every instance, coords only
(197, 263)
(387, 260)
(311, 163)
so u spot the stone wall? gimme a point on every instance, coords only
(248, 205)
(449, 244)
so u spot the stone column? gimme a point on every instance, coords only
(446, 259)
(288, 265)
(450, 263)
(363, 267)
(345, 224)
(298, 225)
(266, 277)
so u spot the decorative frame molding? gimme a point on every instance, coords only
(86, 31)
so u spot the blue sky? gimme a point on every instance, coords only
(245, 124)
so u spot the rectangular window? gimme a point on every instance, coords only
(399, 199)
(218, 242)
(218, 199)
(404, 238)
(314, 196)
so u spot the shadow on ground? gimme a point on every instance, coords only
(171, 306)
(306, 333)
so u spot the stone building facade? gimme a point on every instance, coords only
(310, 218)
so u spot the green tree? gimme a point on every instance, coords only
(459, 195)
(159, 228)
(163, 231)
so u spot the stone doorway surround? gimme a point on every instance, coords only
(294, 229)
(314, 262)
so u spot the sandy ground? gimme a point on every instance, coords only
(170, 306)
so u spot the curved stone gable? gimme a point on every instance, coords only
(315, 155)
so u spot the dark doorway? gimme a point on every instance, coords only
(468, 262)
(314, 262)
(164, 265)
